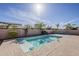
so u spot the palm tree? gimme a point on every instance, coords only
(28, 26)
(57, 25)
(49, 27)
(7, 26)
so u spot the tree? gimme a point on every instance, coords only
(28, 26)
(40, 25)
(57, 25)
(7, 26)
(49, 27)
(68, 26)
(71, 26)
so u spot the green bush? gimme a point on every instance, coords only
(12, 34)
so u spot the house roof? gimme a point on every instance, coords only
(10, 23)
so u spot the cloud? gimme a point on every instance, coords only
(19, 15)
(28, 17)
(69, 21)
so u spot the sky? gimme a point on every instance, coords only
(31, 13)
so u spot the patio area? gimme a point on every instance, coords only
(68, 45)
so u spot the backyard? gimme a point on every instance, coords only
(67, 45)
(39, 29)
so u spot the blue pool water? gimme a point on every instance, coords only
(30, 43)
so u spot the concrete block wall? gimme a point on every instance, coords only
(21, 32)
(73, 32)
(3, 33)
(33, 32)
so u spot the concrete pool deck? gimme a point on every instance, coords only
(68, 45)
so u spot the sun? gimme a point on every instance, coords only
(38, 8)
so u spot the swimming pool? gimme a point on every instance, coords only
(29, 43)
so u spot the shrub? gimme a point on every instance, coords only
(12, 34)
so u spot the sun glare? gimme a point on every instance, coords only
(38, 8)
